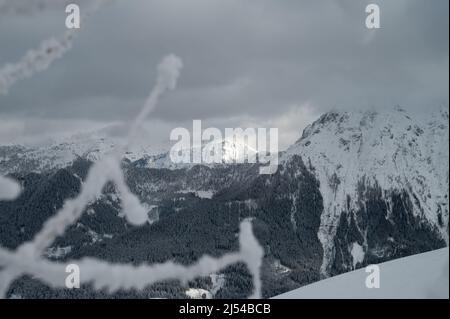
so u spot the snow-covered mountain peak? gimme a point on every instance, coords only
(371, 142)
(232, 150)
(388, 149)
(217, 152)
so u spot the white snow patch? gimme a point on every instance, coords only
(218, 280)
(197, 293)
(208, 194)
(357, 254)
(279, 268)
(57, 252)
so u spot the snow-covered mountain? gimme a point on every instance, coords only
(61, 152)
(354, 153)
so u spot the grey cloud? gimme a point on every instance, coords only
(253, 59)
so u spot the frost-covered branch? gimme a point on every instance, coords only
(27, 259)
(34, 61)
(33, 7)
(112, 277)
(30, 7)
(40, 59)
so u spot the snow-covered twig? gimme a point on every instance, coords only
(36, 60)
(31, 7)
(112, 277)
(40, 59)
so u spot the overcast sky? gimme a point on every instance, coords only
(246, 63)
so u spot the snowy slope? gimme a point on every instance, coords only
(389, 150)
(420, 276)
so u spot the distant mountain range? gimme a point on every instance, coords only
(357, 188)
